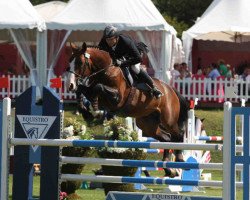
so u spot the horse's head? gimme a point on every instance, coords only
(86, 62)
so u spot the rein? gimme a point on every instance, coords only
(85, 80)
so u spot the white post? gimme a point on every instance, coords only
(41, 61)
(6, 113)
(227, 152)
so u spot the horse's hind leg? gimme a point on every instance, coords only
(150, 128)
(166, 153)
(178, 138)
(149, 125)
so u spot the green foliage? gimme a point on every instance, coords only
(79, 129)
(185, 11)
(37, 2)
(74, 128)
(179, 26)
(116, 130)
(71, 186)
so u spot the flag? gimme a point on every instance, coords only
(4, 82)
(56, 83)
(191, 104)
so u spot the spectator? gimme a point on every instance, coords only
(246, 73)
(185, 73)
(245, 86)
(175, 73)
(213, 72)
(199, 67)
(199, 71)
(222, 68)
(229, 72)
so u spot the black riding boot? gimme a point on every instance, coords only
(148, 80)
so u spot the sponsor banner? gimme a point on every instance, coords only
(35, 126)
(152, 196)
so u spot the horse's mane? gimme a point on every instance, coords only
(104, 53)
(93, 47)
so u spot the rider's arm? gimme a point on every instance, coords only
(133, 55)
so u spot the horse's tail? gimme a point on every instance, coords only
(184, 108)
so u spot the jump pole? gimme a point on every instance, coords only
(5, 114)
(230, 160)
(229, 153)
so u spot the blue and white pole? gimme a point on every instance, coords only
(5, 113)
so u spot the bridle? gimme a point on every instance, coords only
(86, 65)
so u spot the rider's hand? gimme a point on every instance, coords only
(118, 62)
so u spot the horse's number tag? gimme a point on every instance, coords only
(87, 55)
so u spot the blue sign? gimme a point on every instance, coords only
(153, 196)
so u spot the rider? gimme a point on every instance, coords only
(121, 46)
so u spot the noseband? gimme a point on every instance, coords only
(86, 65)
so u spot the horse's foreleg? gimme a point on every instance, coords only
(106, 92)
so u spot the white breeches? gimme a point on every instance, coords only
(136, 68)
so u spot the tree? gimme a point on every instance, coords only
(181, 14)
(179, 26)
(36, 2)
(185, 11)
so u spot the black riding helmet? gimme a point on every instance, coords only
(110, 31)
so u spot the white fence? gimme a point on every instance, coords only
(206, 90)
(18, 84)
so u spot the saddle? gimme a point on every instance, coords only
(133, 81)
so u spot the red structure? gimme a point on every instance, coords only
(212, 51)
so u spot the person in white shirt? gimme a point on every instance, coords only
(175, 73)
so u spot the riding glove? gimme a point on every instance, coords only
(118, 62)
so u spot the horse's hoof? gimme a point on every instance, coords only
(179, 160)
(173, 173)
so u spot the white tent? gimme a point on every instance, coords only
(16, 14)
(19, 18)
(50, 9)
(140, 18)
(224, 20)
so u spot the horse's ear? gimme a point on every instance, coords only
(84, 47)
(73, 46)
(202, 119)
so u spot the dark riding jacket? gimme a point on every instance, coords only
(125, 48)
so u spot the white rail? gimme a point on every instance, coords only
(218, 90)
(207, 90)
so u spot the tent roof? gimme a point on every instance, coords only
(50, 9)
(19, 14)
(97, 14)
(223, 15)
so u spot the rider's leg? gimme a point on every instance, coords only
(143, 75)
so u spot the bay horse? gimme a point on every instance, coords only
(163, 119)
